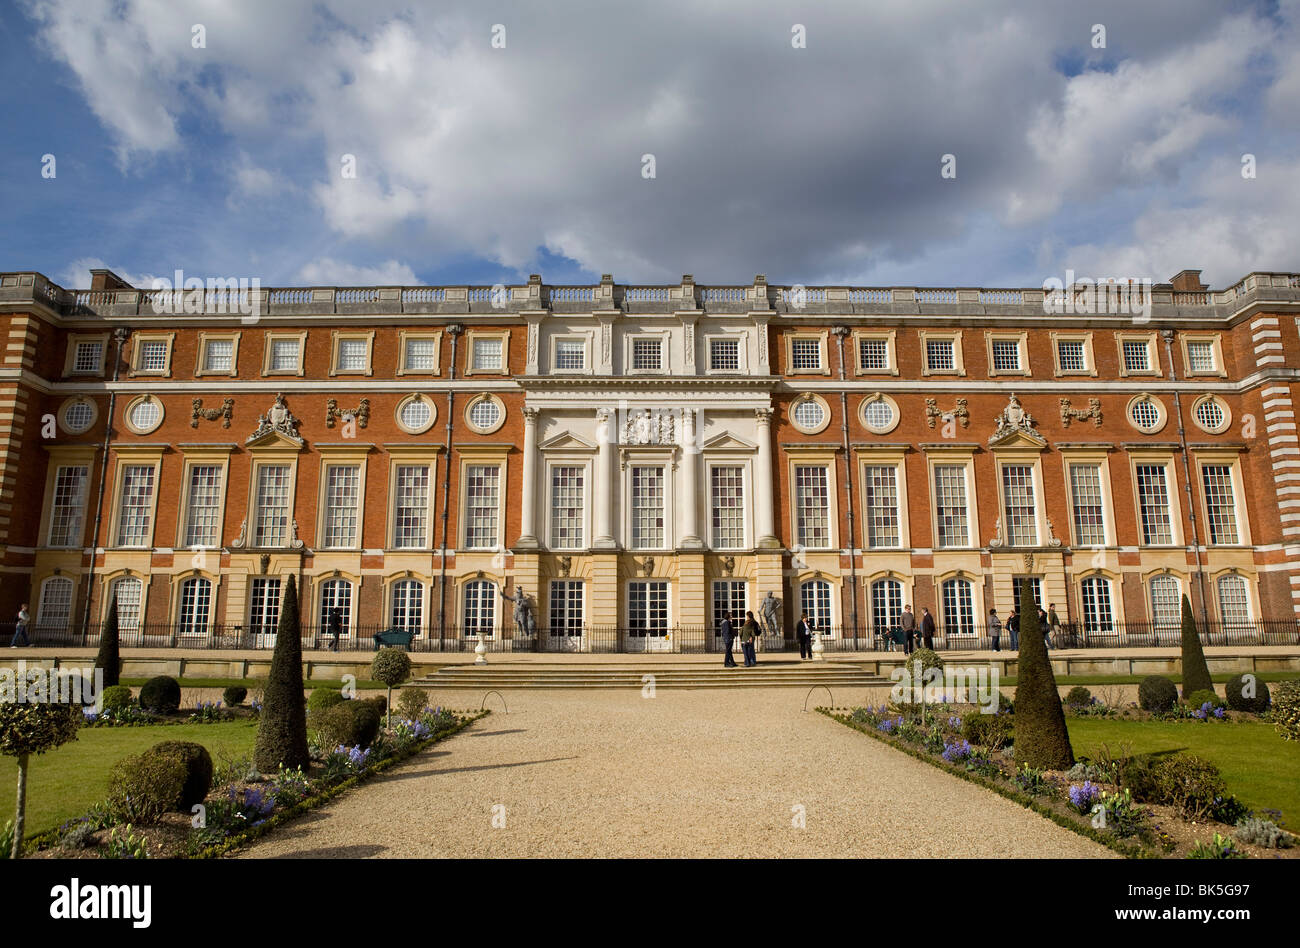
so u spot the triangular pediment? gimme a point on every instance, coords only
(1018, 439)
(567, 441)
(273, 439)
(726, 441)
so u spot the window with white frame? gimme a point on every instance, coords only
(482, 505)
(1234, 601)
(880, 505)
(886, 606)
(55, 611)
(808, 414)
(152, 355)
(950, 513)
(415, 414)
(1220, 503)
(805, 355)
(815, 599)
(727, 504)
(1210, 414)
(1137, 355)
(480, 613)
(264, 605)
(570, 355)
(353, 355)
(1071, 355)
(873, 354)
(195, 607)
(812, 505)
(128, 593)
(1018, 504)
(1166, 603)
(730, 597)
(484, 414)
(68, 504)
(568, 501)
(1146, 415)
(724, 355)
(342, 500)
(135, 505)
(1200, 356)
(88, 356)
(486, 355)
(410, 506)
(1089, 512)
(336, 594)
(939, 355)
(421, 354)
(1153, 504)
(285, 355)
(273, 485)
(79, 414)
(647, 508)
(879, 414)
(1098, 613)
(218, 355)
(1006, 355)
(407, 611)
(958, 607)
(647, 608)
(144, 415)
(203, 506)
(566, 607)
(647, 354)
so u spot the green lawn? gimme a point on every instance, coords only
(1260, 768)
(66, 781)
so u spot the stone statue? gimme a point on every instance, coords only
(641, 427)
(525, 624)
(666, 428)
(770, 610)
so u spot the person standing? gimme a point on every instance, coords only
(747, 633)
(1045, 627)
(20, 627)
(1054, 623)
(803, 632)
(1013, 626)
(908, 624)
(927, 628)
(995, 630)
(336, 627)
(729, 640)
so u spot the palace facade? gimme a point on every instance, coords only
(638, 459)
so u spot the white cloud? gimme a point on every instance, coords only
(76, 275)
(329, 272)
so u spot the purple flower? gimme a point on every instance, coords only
(1220, 713)
(1084, 795)
(956, 752)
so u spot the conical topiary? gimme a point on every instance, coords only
(282, 724)
(1196, 673)
(108, 657)
(1042, 739)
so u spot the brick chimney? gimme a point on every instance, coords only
(1189, 281)
(107, 280)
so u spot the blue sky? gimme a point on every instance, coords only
(478, 163)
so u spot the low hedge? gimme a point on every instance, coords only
(162, 695)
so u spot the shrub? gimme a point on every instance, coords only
(161, 695)
(378, 702)
(77, 835)
(1078, 697)
(1286, 709)
(322, 698)
(198, 770)
(1190, 784)
(412, 702)
(27, 729)
(144, 787)
(1264, 833)
(1247, 692)
(116, 697)
(1138, 775)
(282, 723)
(350, 723)
(1198, 699)
(392, 667)
(234, 696)
(109, 658)
(1084, 770)
(987, 730)
(1157, 694)
(1042, 740)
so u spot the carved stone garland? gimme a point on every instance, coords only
(211, 414)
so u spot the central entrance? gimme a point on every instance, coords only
(647, 616)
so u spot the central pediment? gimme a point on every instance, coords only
(1018, 439)
(726, 441)
(566, 441)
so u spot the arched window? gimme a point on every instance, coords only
(128, 592)
(480, 608)
(1234, 602)
(408, 605)
(1098, 616)
(815, 599)
(958, 607)
(195, 606)
(1166, 604)
(55, 612)
(886, 605)
(335, 594)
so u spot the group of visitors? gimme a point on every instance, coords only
(749, 633)
(1048, 623)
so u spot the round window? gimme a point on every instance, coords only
(78, 416)
(1210, 415)
(415, 414)
(485, 414)
(808, 414)
(145, 415)
(879, 414)
(1145, 415)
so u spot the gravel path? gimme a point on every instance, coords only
(687, 773)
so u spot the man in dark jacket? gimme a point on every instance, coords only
(907, 622)
(803, 632)
(336, 626)
(729, 640)
(927, 628)
(1013, 627)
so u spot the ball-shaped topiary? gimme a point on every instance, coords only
(27, 729)
(1198, 699)
(1157, 694)
(161, 695)
(392, 667)
(198, 770)
(1247, 692)
(116, 697)
(1078, 697)
(322, 698)
(144, 787)
(1189, 784)
(1286, 709)
(234, 696)
(349, 723)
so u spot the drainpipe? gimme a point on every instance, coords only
(119, 336)
(1168, 336)
(454, 330)
(840, 333)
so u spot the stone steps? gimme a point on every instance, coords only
(562, 676)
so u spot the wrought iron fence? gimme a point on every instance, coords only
(670, 640)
